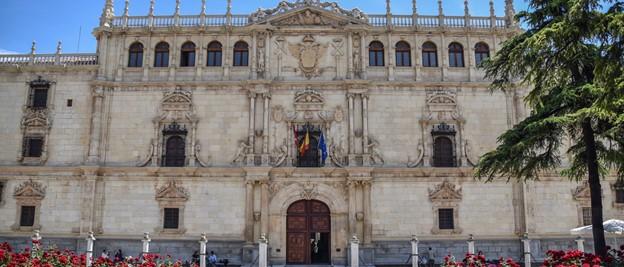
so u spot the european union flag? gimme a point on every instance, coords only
(323, 147)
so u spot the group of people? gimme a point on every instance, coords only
(212, 260)
(118, 255)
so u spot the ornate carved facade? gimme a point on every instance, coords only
(190, 124)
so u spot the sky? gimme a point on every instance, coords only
(72, 21)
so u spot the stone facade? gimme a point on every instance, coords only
(104, 156)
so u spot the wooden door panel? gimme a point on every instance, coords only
(297, 248)
(297, 224)
(319, 224)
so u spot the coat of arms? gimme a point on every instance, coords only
(309, 52)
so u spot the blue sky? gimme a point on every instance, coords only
(50, 21)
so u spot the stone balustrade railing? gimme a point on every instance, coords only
(244, 20)
(50, 59)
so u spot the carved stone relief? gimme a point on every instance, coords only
(308, 53)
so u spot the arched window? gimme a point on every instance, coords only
(443, 152)
(241, 54)
(376, 54)
(161, 55)
(456, 55)
(429, 55)
(403, 54)
(175, 152)
(188, 55)
(135, 55)
(215, 54)
(482, 52)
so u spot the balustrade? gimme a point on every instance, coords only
(50, 59)
(428, 21)
(402, 21)
(377, 20)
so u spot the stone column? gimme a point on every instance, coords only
(527, 250)
(355, 253)
(253, 56)
(89, 252)
(364, 57)
(349, 49)
(580, 244)
(264, 207)
(390, 54)
(471, 245)
(252, 121)
(368, 224)
(350, 96)
(291, 145)
(263, 245)
(96, 126)
(202, 250)
(265, 132)
(414, 243)
(352, 206)
(249, 210)
(365, 123)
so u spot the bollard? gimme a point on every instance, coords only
(355, 254)
(146, 242)
(415, 257)
(527, 249)
(263, 245)
(36, 242)
(471, 245)
(580, 244)
(202, 250)
(90, 239)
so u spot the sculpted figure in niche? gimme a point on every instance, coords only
(241, 154)
(375, 153)
(279, 154)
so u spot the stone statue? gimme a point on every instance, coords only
(241, 154)
(374, 152)
(279, 154)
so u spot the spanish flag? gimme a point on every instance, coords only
(305, 145)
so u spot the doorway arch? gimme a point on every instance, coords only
(308, 233)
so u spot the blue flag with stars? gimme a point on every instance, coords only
(323, 147)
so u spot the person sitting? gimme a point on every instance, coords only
(212, 260)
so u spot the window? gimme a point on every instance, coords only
(619, 194)
(403, 54)
(482, 52)
(445, 219)
(70, 103)
(135, 55)
(241, 54)
(172, 218)
(40, 98)
(175, 155)
(27, 216)
(587, 216)
(430, 55)
(33, 147)
(187, 58)
(376, 54)
(456, 55)
(443, 152)
(215, 54)
(161, 55)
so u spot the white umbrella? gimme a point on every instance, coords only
(611, 226)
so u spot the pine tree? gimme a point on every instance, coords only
(571, 57)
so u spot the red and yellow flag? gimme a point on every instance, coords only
(305, 145)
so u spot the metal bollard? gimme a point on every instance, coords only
(202, 250)
(146, 242)
(263, 245)
(527, 250)
(415, 255)
(355, 253)
(90, 239)
(580, 244)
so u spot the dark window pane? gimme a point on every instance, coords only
(587, 216)
(175, 152)
(445, 219)
(27, 216)
(619, 195)
(135, 56)
(40, 98)
(443, 152)
(33, 147)
(312, 157)
(172, 218)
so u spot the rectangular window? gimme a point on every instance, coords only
(161, 60)
(70, 102)
(33, 147)
(587, 216)
(172, 218)
(430, 59)
(40, 98)
(214, 59)
(446, 220)
(619, 195)
(27, 216)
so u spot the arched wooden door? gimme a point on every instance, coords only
(308, 237)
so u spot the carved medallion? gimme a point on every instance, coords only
(308, 53)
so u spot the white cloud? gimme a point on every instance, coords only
(7, 52)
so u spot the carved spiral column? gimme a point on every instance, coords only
(249, 210)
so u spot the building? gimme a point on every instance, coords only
(309, 122)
